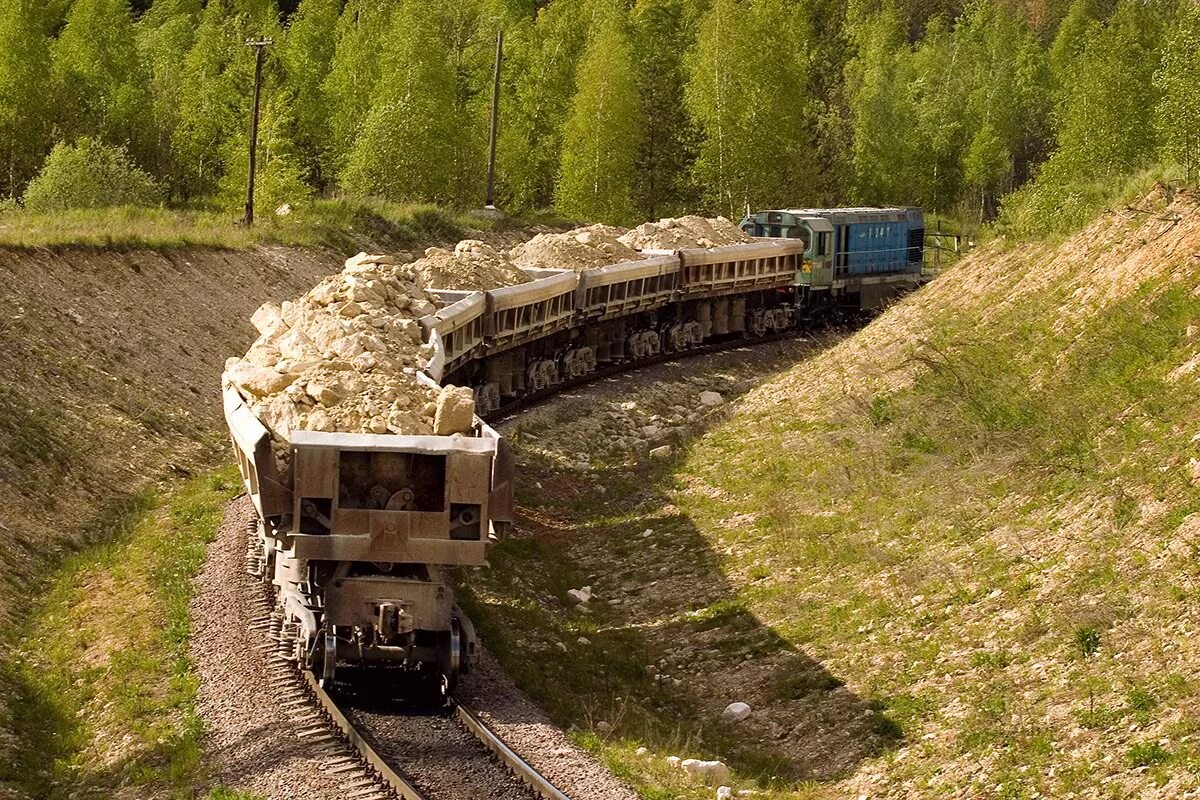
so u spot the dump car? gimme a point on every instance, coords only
(356, 532)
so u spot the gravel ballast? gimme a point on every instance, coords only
(525, 728)
(250, 744)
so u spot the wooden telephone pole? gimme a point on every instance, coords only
(490, 203)
(260, 46)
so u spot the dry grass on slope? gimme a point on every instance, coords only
(981, 513)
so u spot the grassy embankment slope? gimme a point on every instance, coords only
(954, 554)
(983, 510)
(109, 402)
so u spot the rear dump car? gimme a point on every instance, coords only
(356, 532)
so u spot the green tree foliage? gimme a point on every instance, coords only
(166, 34)
(1007, 110)
(307, 53)
(215, 91)
(1104, 125)
(885, 151)
(353, 73)
(1032, 109)
(90, 174)
(24, 102)
(539, 83)
(280, 168)
(103, 81)
(742, 90)
(406, 149)
(1178, 82)
(469, 28)
(602, 133)
(663, 184)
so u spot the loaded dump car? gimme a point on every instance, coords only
(355, 530)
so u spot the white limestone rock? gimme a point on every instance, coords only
(454, 411)
(257, 381)
(580, 596)
(735, 712)
(714, 773)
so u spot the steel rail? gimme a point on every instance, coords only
(399, 784)
(519, 766)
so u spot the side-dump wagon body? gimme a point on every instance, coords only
(356, 530)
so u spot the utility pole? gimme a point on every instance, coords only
(490, 203)
(260, 46)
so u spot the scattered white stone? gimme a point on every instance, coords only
(714, 773)
(603, 727)
(661, 452)
(561, 646)
(672, 761)
(735, 712)
(724, 793)
(647, 533)
(580, 596)
(711, 399)
(641, 751)
(584, 640)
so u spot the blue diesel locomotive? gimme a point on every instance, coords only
(857, 257)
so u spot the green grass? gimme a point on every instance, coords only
(105, 693)
(994, 552)
(339, 224)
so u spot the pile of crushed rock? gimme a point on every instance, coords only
(344, 357)
(580, 249)
(471, 265)
(601, 245)
(681, 233)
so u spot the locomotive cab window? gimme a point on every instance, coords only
(802, 233)
(822, 244)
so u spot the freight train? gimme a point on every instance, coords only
(355, 532)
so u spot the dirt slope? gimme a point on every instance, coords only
(981, 514)
(110, 365)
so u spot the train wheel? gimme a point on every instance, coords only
(452, 658)
(329, 660)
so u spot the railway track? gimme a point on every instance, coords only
(382, 751)
(533, 398)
